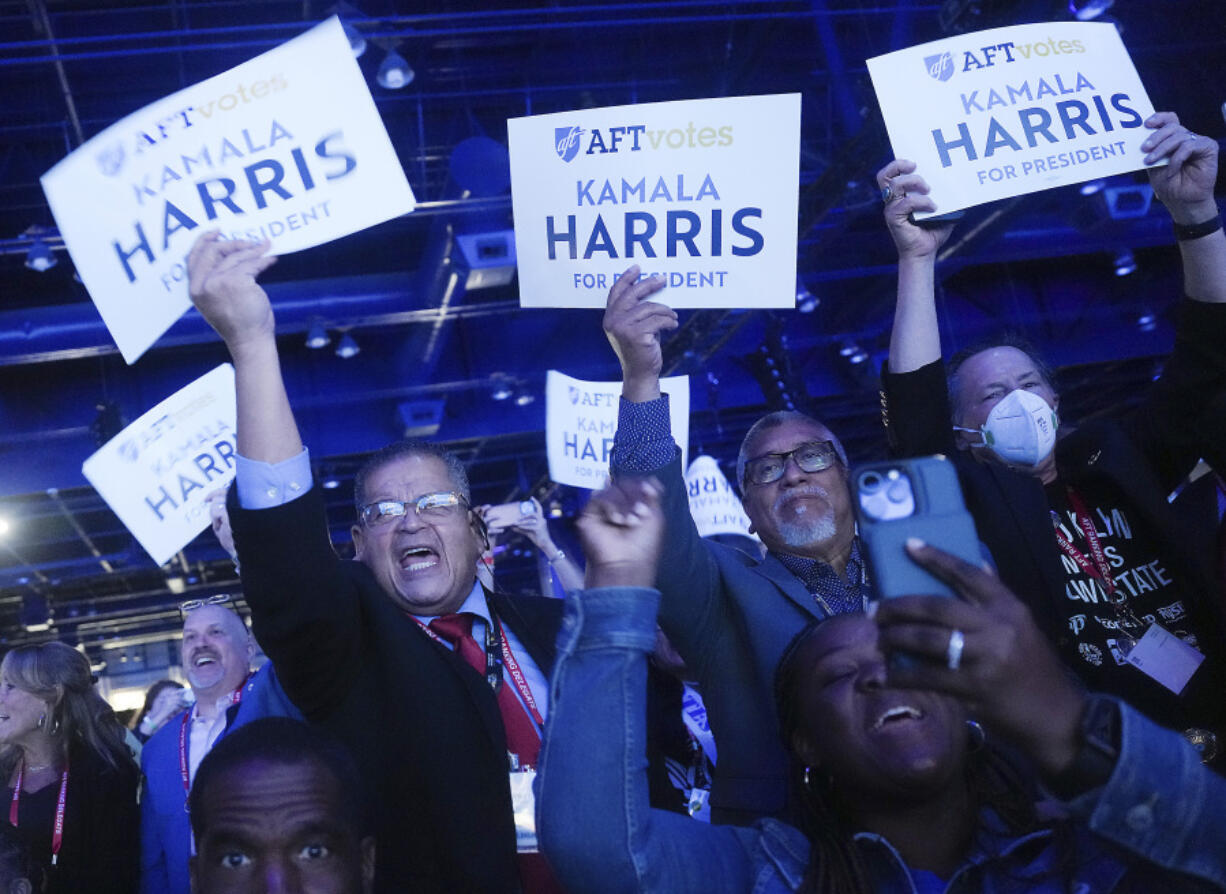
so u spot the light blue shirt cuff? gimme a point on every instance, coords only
(264, 485)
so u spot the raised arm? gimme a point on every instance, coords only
(1185, 186)
(916, 339)
(222, 280)
(593, 815)
(633, 325)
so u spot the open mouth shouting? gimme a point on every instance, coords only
(416, 559)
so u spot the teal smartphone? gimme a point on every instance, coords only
(905, 498)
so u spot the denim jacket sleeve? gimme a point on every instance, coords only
(1160, 803)
(593, 817)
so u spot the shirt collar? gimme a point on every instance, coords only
(474, 604)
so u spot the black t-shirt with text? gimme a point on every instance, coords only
(1098, 632)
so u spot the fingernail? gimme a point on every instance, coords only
(640, 508)
(914, 543)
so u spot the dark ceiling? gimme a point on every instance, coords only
(69, 69)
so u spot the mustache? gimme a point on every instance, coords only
(806, 490)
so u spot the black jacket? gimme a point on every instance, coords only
(422, 725)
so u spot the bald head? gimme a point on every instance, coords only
(217, 651)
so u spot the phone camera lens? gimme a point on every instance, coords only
(870, 481)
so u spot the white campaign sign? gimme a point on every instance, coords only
(288, 146)
(702, 191)
(581, 419)
(1005, 112)
(157, 473)
(714, 503)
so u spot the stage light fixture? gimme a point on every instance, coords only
(395, 72)
(1087, 10)
(524, 397)
(806, 301)
(317, 336)
(501, 389)
(1125, 263)
(357, 42)
(40, 257)
(347, 347)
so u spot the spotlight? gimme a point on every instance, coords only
(1147, 322)
(501, 389)
(524, 397)
(331, 482)
(317, 336)
(40, 257)
(848, 349)
(357, 43)
(347, 347)
(1088, 189)
(4, 526)
(555, 509)
(858, 356)
(1085, 10)
(806, 301)
(395, 72)
(1125, 263)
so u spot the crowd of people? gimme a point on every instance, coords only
(417, 730)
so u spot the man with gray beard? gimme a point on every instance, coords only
(729, 615)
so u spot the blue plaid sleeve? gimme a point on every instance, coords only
(644, 438)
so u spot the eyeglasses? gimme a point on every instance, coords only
(812, 456)
(192, 604)
(432, 508)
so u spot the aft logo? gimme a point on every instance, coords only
(566, 141)
(940, 66)
(110, 160)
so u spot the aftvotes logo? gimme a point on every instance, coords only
(566, 141)
(110, 160)
(940, 66)
(571, 389)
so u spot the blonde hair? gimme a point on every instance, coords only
(60, 676)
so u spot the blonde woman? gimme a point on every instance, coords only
(71, 779)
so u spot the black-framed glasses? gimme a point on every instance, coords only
(192, 604)
(811, 456)
(434, 507)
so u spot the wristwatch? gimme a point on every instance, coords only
(1099, 749)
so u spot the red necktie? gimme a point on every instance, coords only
(522, 736)
(523, 739)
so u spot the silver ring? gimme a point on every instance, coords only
(953, 652)
(886, 193)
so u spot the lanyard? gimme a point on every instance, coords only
(57, 828)
(1096, 565)
(235, 698)
(497, 655)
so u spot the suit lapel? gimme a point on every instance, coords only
(790, 585)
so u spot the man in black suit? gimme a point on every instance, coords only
(435, 685)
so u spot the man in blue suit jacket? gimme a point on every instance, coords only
(730, 615)
(217, 652)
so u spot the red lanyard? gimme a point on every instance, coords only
(235, 697)
(508, 660)
(57, 829)
(1099, 567)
